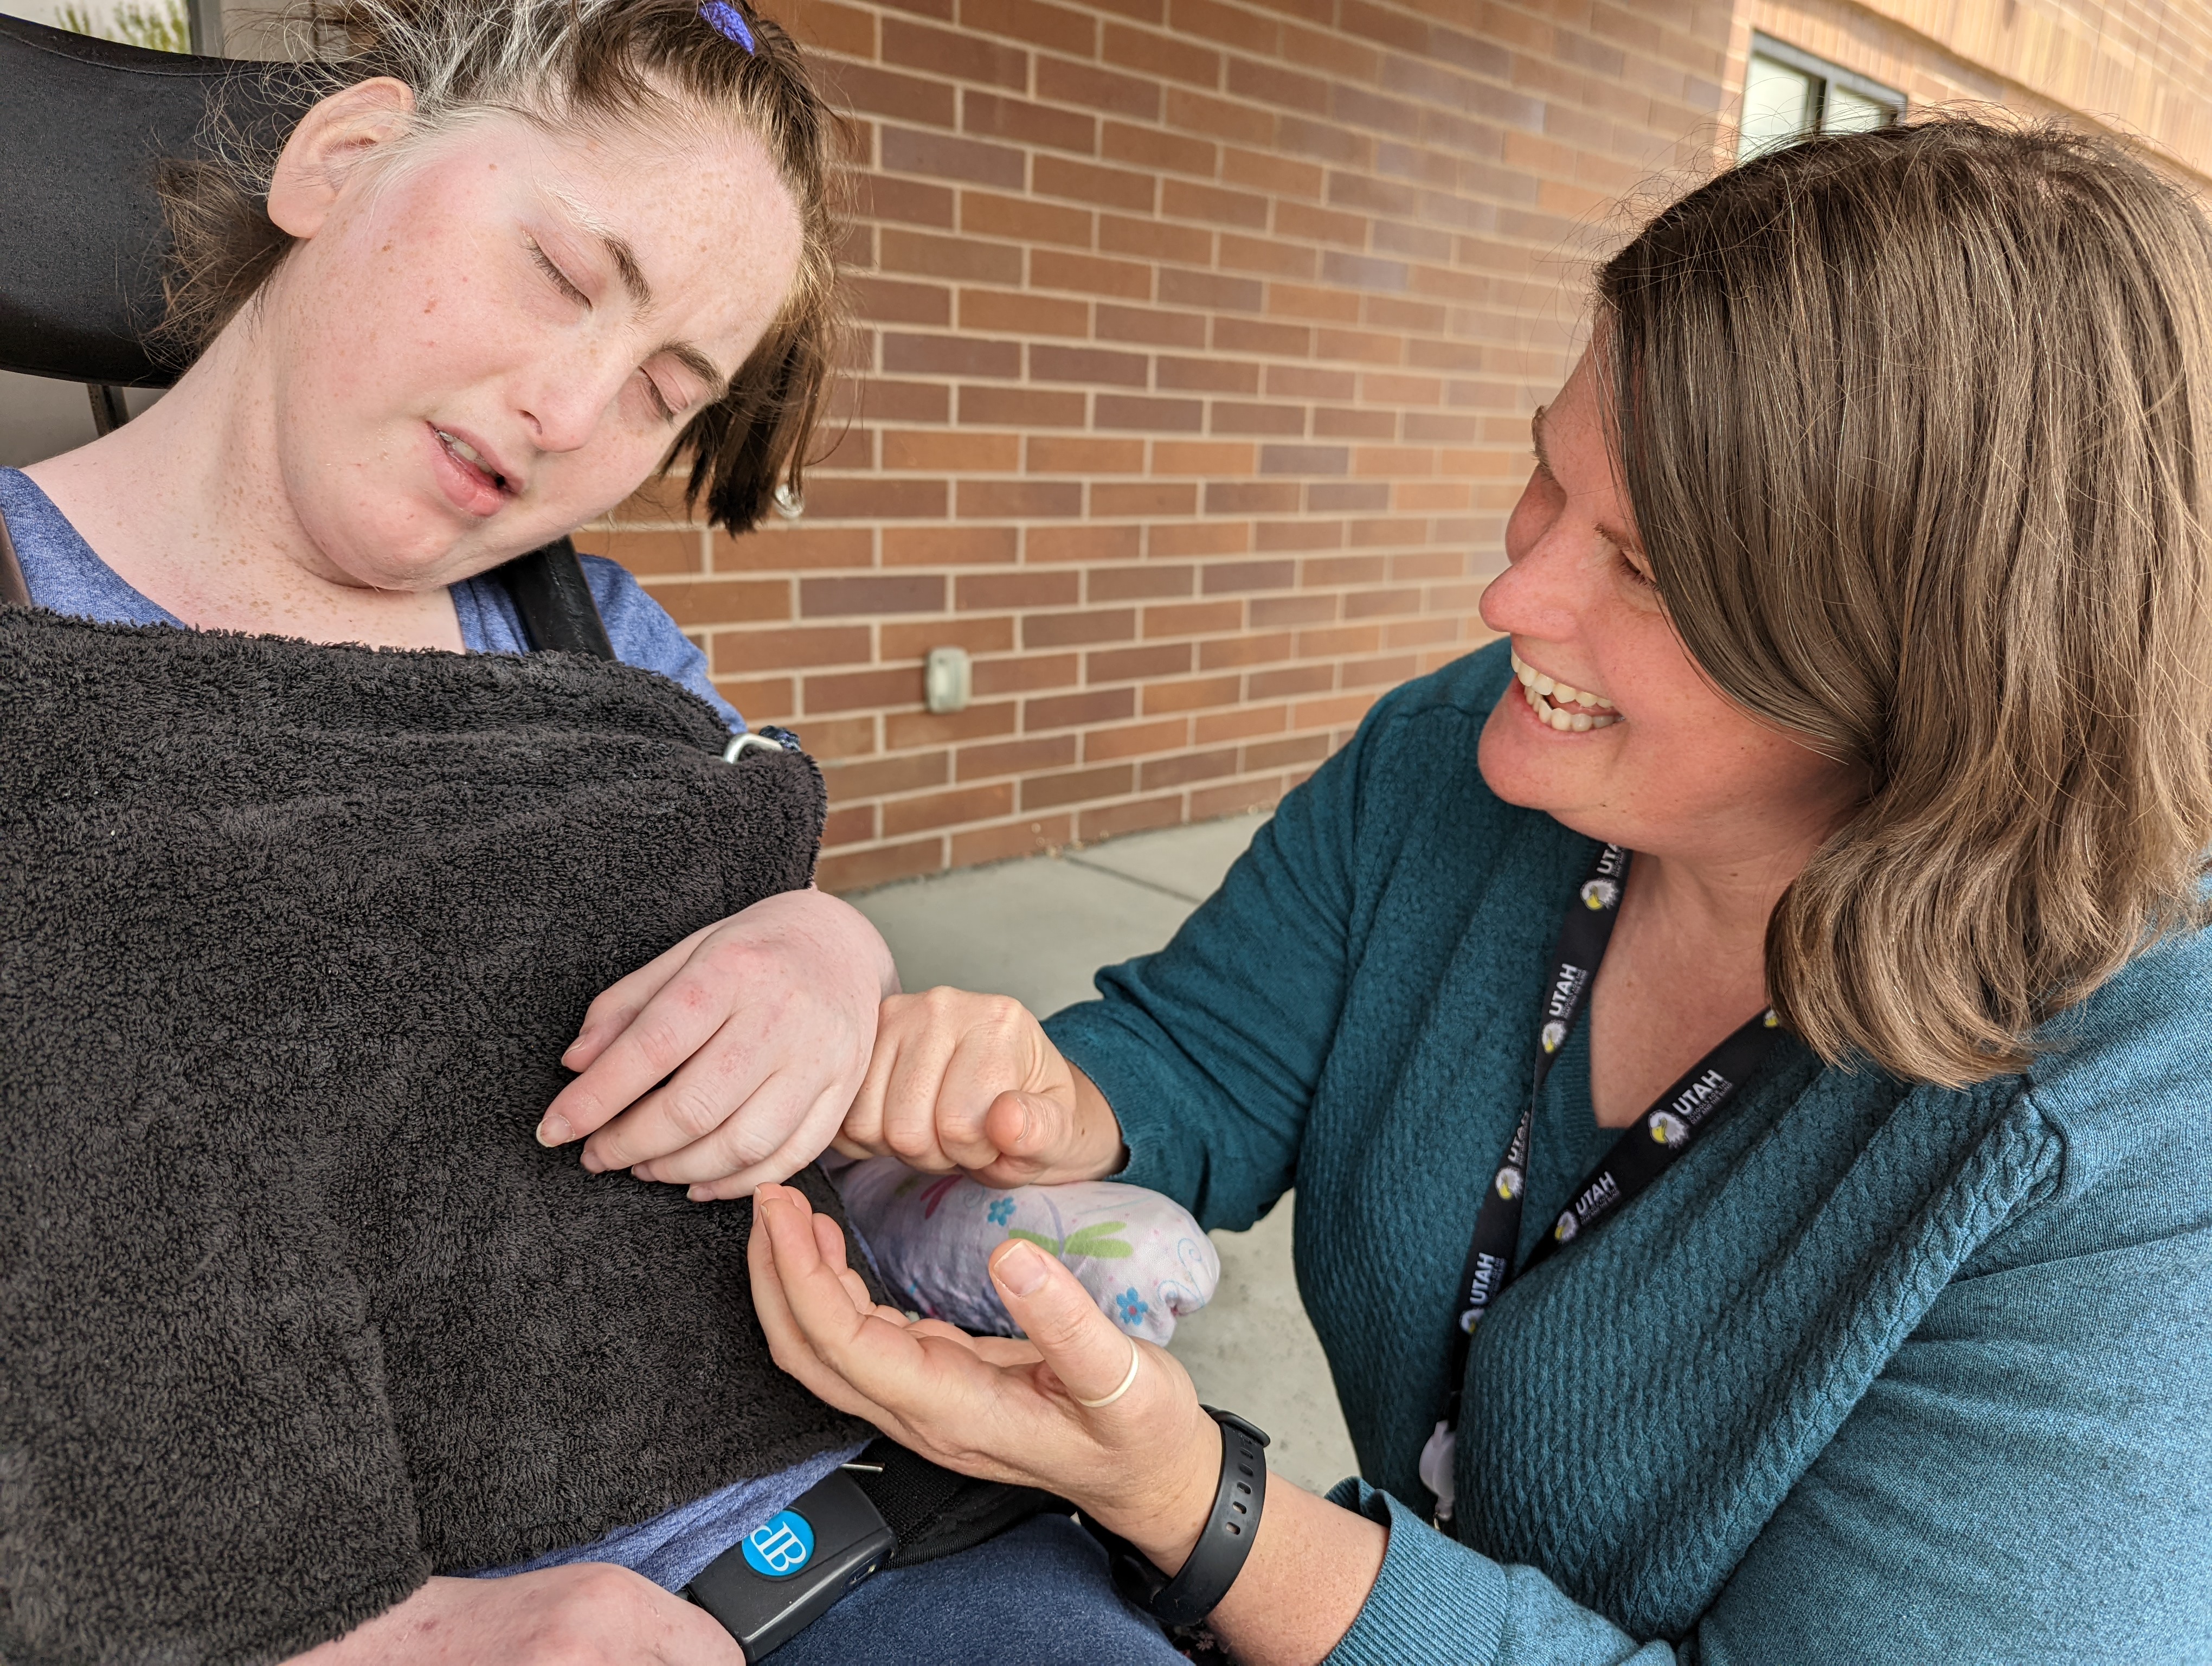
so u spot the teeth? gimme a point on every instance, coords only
(461, 448)
(1546, 695)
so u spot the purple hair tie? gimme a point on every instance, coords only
(729, 23)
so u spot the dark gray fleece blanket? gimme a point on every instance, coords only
(293, 1309)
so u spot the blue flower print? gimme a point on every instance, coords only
(1134, 1307)
(1001, 1211)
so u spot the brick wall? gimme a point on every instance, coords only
(1196, 345)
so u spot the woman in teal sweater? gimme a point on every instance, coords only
(1844, 1289)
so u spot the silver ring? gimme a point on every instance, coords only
(1136, 1358)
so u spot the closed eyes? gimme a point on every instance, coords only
(559, 280)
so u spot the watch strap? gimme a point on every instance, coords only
(1218, 1556)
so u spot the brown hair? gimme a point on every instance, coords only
(1916, 425)
(564, 63)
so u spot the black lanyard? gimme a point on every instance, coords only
(1645, 1149)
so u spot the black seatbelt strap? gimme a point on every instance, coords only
(553, 599)
(1641, 1153)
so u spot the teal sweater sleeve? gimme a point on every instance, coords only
(1209, 1052)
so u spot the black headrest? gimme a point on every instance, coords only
(82, 125)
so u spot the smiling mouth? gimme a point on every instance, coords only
(1562, 708)
(470, 457)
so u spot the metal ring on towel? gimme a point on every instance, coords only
(1136, 1358)
(736, 749)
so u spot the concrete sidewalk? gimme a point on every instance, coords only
(1036, 930)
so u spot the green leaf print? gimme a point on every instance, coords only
(1095, 1242)
(1051, 1246)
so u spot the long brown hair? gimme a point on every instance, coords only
(1916, 427)
(562, 62)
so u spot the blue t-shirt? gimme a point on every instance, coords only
(66, 576)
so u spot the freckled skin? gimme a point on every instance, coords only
(291, 481)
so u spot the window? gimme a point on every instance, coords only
(1788, 94)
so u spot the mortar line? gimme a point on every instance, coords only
(1131, 878)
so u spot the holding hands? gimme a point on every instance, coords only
(969, 1081)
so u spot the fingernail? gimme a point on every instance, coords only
(555, 1131)
(1020, 1268)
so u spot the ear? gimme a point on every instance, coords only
(343, 131)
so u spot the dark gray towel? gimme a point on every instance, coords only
(293, 1309)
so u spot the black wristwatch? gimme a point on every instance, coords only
(1218, 1556)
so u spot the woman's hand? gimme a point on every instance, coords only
(589, 1614)
(730, 1059)
(1145, 1466)
(969, 1081)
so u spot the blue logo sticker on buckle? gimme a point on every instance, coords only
(779, 1548)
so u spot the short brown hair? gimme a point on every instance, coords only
(1916, 427)
(562, 62)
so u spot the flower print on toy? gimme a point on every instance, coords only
(1140, 1256)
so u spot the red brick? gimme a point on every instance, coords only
(1126, 664)
(1190, 693)
(1048, 791)
(986, 214)
(844, 498)
(905, 731)
(1164, 498)
(1072, 629)
(1016, 757)
(1098, 89)
(648, 554)
(919, 252)
(1109, 187)
(855, 824)
(1057, 27)
(965, 546)
(1184, 769)
(1019, 499)
(934, 810)
(908, 150)
(993, 116)
(724, 601)
(1017, 590)
(1055, 269)
(864, 87)
(1029, 671)
(1021, 407)
(850, 691)
(872, 778)
(1135, 739)
(1076, 711)
(918, 593)
(1161, 55)
(1021, 838)
(1111, 821)
(1058, 544)
(746, 653)
(1123, 584)
(912, 639)
(857, 870)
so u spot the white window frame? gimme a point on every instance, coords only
(1824, 75)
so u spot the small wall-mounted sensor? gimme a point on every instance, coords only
(948, 678)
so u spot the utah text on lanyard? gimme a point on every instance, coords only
(1641, 1153)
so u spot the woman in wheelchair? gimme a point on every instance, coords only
(519, 258)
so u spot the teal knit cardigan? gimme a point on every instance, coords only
(1874, 1372)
